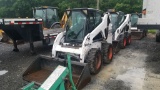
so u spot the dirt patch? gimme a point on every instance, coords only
(16, 63)
(116, 85)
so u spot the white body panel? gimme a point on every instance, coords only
(87, 43)
(152, 13)
(152, 9)
(135, 29)
(53, 78)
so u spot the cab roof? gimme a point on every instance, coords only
(89, 9)
(45, 7)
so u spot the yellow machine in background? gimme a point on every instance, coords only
(63, 20)
(4, 37)
(50, 17)
(1, 31)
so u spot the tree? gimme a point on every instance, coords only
(23, 8)
(129, 6)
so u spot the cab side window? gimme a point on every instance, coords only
(91, 22)
(98, 19)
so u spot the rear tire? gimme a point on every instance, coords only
(123, 43)
(141, 35)
(94, 60)
(158, 36)
(145, 32)
(129, 40)
(107, 53)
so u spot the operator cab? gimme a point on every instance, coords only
(117, 18)
(113, 18)
(47, 13)
(81, 21)
(134, 19)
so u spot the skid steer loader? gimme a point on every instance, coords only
(88, 40)
(87, 37)
(137, 33)
(121, 31)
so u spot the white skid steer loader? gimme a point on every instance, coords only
(121, 24)
(137, 33)
(87, 37)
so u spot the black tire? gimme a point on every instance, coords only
(107, 53)
(93, 56)
(158, 36)
(129, 40)
(123, 43)
(56, 26)
(141, 35)
(145, 32)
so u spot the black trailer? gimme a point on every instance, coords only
(28, 29)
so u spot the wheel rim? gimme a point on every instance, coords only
(110, 54)
(98, 61)
(124, 42)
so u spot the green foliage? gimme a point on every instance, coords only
(23, 8)
(129, 6)
(152, 31)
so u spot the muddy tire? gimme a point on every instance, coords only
(141, 35)
(145, 32)
(129, 40)
(158, 36)
(123, 43)
(107, 53)
(94, 60)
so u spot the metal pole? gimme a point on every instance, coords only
(70, 72)
(97, 4)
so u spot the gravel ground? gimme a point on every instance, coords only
(16, 63)
(136, 67)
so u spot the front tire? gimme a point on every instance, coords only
(123, 43)
(158, 36)
(107, 53)
(129, 40)
(145, 33)
(94, 60)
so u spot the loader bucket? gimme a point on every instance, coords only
(43, 66)
(137, 35)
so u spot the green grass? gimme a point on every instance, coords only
(152, 31)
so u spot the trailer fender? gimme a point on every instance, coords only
(55, 25)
